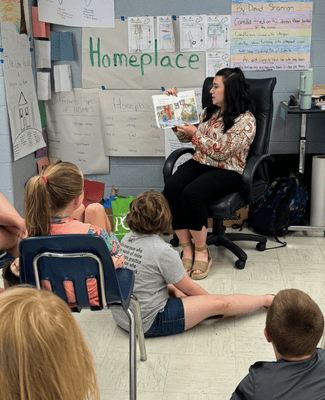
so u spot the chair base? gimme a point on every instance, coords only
(218, 237)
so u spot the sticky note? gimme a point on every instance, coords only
(40, 29)
(62, 78)
(61, 46)
(43, 53)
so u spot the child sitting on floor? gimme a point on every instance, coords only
(52, 200)
(294, 326)
(159, 272)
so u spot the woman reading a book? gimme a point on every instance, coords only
(221, 140)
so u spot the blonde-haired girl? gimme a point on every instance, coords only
(43, 354)
(53, 200)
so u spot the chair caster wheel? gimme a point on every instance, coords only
(240, 264)
(174, 242)
(260, 246)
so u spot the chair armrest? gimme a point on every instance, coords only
(249, 174)
(173, 157)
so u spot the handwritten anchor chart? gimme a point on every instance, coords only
(25, 122)
(82, 13)
(269, 35)
(128, 123)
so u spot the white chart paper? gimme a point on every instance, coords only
(74, 131)
(129, 125)
(91, 13)
(25, 122)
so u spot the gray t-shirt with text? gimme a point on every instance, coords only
(155, 264)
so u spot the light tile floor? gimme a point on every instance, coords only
(207, 362)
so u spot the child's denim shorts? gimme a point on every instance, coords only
(168, 321)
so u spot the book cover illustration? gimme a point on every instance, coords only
(175, 110)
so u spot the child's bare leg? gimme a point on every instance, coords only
(95, 214)
(8, 241)
(198, 308)
(6, 207)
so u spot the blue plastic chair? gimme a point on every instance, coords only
(77, 258)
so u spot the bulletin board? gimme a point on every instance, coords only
(107, 62)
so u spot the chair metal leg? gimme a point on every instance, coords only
(139, 327)
(132, 356)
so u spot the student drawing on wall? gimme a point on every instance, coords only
(23, 107)
(138, 36)
(189, 39)
(12, 104)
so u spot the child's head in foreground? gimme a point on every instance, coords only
(43, 353)
(294, 323)
(47, 193)
(149, 213)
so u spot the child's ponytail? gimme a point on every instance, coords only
(37, 206)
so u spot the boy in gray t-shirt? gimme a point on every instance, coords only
(159, 275)
(294, 326)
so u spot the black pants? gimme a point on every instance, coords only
(192, 187)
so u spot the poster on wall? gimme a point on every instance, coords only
(128, 123)
(10, 11)
(74, 133)
(141, 34)
(165, 34)
(269, 35)
(107, 62)
(192, 32)
(25, 122)
(92, 13)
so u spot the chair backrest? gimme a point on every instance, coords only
(262, 95)
(74, 258)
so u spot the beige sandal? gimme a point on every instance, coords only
(201, 265)
(187, 263)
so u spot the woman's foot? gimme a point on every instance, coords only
(202, 263)
(187, 257)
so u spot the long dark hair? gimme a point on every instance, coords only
(237, 96)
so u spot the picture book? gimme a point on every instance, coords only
(175, 110)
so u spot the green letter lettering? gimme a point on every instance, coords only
(108, 64)
(176, 61)
(132, 60)
(92, 52)
(193, 58)
(168, 63)
(120, 56)
(142, 63)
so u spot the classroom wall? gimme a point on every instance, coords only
(133, 175)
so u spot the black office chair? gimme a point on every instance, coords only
(255, 177)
